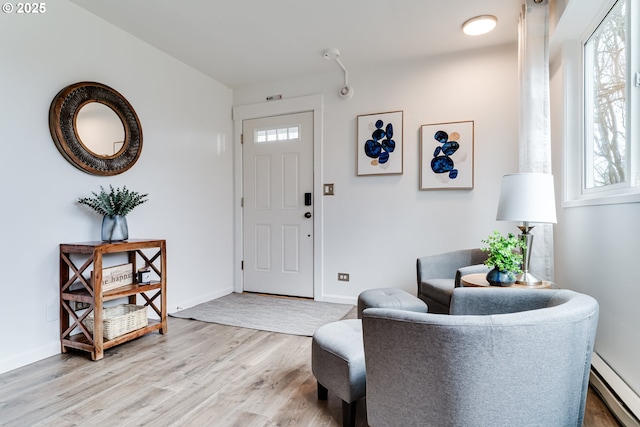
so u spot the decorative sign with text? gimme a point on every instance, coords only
(115, 277)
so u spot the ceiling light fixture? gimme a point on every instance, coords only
(346, 91)
(479, 25)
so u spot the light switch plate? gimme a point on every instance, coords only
(328, 189)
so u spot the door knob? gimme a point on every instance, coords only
(307, 215)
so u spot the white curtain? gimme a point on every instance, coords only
(535, 140)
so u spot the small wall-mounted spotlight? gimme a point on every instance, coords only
(346, 91)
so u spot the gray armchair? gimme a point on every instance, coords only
(504, 357)
(439, 274)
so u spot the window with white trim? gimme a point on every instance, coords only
(610, 115)
(279, 134)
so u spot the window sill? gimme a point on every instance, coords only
(631, 196)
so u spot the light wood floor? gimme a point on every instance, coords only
(199, 374)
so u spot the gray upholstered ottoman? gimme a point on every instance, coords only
(337, 362)
(389, 298)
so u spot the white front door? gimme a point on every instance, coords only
(277, 164)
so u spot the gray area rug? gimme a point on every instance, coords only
(267, 313)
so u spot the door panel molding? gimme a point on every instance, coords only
(312, 103)
(289, 176)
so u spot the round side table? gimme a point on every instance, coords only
(479, 280)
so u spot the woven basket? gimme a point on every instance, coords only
(120, 319)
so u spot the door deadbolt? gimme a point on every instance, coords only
(307, 215)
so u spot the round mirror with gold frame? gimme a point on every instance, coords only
(95, 128)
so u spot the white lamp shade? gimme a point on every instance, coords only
(527, 197)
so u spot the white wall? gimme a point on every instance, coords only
(376, 226)
(595, 246)
(185, 166)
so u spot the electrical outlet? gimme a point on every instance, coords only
(343, 277)
(53, 312)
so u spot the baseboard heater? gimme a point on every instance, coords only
(621, 400)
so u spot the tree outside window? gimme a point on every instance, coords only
(606, 104)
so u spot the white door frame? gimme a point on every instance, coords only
(312, 103)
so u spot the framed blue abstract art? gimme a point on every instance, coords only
(380, 144)
(446, 156)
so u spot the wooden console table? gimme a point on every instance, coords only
(76, 288)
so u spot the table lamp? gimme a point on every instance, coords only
(527, 198)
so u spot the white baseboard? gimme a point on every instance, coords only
(24, 359)
(623, 402)
(338, 299)
(202, 298)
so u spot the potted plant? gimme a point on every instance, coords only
(114, 205)
(505, 257)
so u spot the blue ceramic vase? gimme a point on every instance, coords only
(114, 228)
(496, 277)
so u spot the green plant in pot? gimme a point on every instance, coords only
(114, 205)
(505, 256)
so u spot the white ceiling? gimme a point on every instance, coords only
(244, 42)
